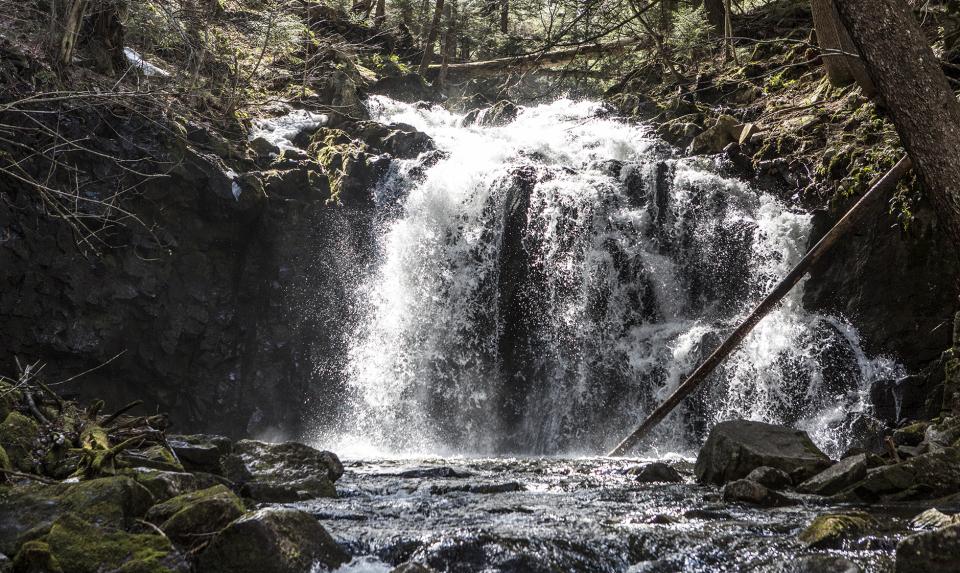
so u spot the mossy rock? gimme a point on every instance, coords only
(273, 540)
(833, 531)
(26, 513)
(9, 397)
(910, 435)
(164, 485)
(18, 433)
(114, 501)
(155, 457)
(80, 547)
(196, 513)
(35, 557)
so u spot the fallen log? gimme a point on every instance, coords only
(856, 213)
(527, 62)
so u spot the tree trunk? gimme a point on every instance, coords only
(431, 38)
(908, 77)
(66, 19)
(539, 60)
(107, 36)
(380, 16)
(667, 8)
(504, 15)
(832, 36)
(716, 14)
(449, 40)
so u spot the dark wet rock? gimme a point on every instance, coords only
(478, 488)
(288, 472)
(816, 564)
(736, 448)
(707, 514)
(500, 113)
(746, 491)
(934, 519)
(927, 476)
(837, 477)
(264, 149)
(866, 434)
(155, 457)
(943, 435)
(435, 472)
(930, 552)
(188, 517)
(163, 484)
(910, 435)
(111, 501)
(655, 472)
(835, 531)
(770, 477)
(400, 140)
(201, 452)
(351, 167)
(26, 513)
(285, 541)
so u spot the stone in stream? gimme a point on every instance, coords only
(817, 564)
(933, 518)
(834, 531)
(746, 491)
(926, 476)
(273, 540)
(737, 447)
(935, 551)
(288, 472)
(411, 567)
(770, 477)
(837, 477)
(655, 472)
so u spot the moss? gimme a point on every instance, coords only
(9, 397)
(35, 556)
(108, 501)
(18, 433)
(162, 458)
(80, 547)
(833, 530)
(198, 512)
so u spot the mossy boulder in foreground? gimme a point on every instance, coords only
(274, 540)
(186, 518)
(834, 531)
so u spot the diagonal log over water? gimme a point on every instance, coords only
(856, 213)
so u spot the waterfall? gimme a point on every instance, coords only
(541, 285)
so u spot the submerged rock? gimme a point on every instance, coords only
(930, 552)
(770, 477)
(834, 531)
(272, 540)
(837, 477)
(655, 472)
(746, 491)
(737, 447)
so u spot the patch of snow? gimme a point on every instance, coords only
(145, 67)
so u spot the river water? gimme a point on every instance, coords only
(540, 286)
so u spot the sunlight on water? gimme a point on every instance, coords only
(552, 327)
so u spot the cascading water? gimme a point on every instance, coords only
(542, 284)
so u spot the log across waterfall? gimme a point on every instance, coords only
(546, 282)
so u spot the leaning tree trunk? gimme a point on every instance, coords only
(504, 15)
(380, 15)
(431, 38)
(908, 77)
(835, 42)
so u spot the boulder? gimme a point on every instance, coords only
(411, 567)
(164, 485)
(934, 519)
(746, 491)
(18, 433)
(200, 452)
(714, 139)
(910, 435)
(500, 113)
(79, 546)
(930, 552)
(817, 564)
(26, 512)
(834, 531)
(186, 517)
(837, 477)
(288, 472)
(112, 501)
(352, 169)
(770, 477)
(399, 139)
(655, 472)
(274, 540)
(736, 448)
(926, 476)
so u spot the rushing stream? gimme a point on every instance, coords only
(540, 285)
